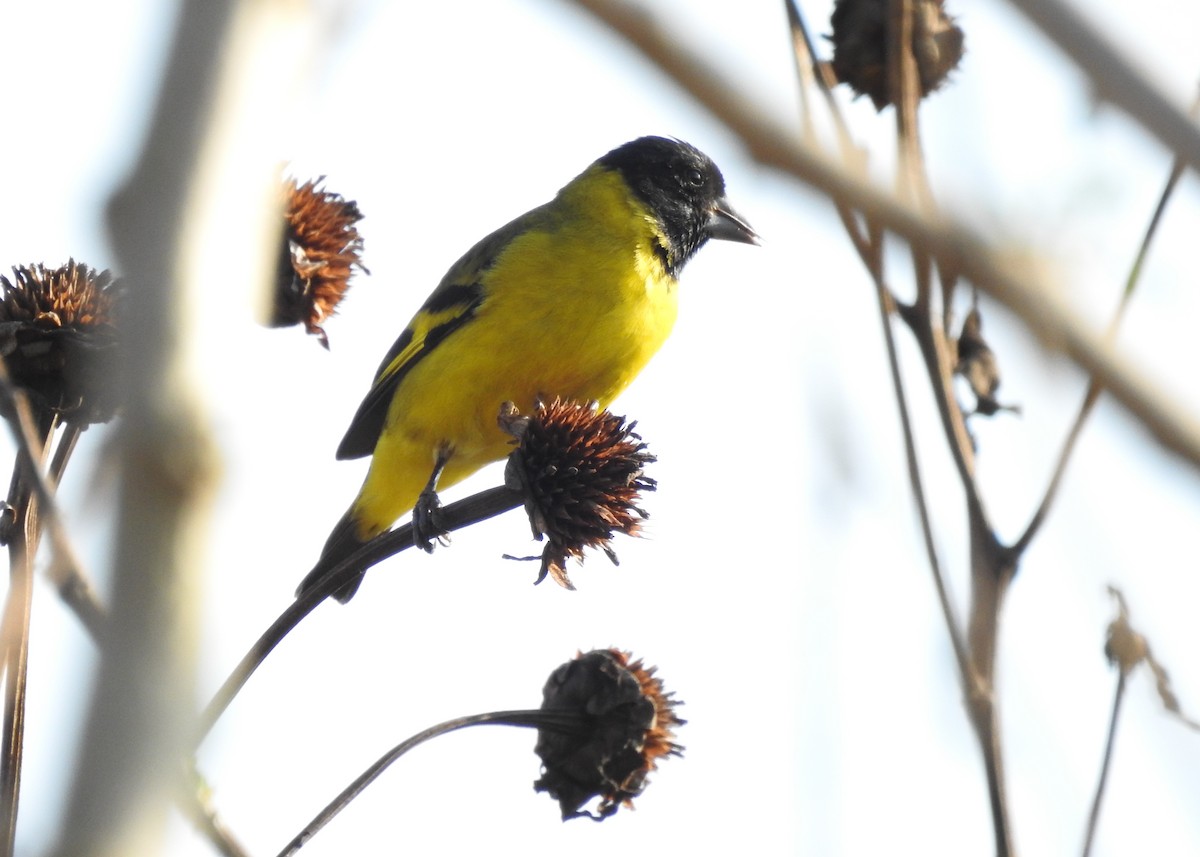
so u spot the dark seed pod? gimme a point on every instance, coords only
(608, 724)
(320, 250)
(581, 470)
(860, 46)
(58, 336)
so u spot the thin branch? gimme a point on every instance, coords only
(808, 69)
(64, 563)
(455, 516)
(992, 572)
(17, 614)
(1094, 815)
(528, 718)
(33, 434)
(953, 626)
(74, 587)
(1094, 389)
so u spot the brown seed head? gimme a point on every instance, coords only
(58, 336)
(321, 248)
(613, 723)
(581, 470)
(978, 364)
(860, 46)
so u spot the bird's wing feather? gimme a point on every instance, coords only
(451, 305)
(446, 310)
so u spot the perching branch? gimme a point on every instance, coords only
(463, 513)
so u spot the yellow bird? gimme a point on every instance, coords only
(571, 299)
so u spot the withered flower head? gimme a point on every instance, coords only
(978, 364)
(860, 46)
(616, 723)
(581, 471)
(321, 248)
(58, 336)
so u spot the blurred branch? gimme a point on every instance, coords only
(126, 771)
(955, 248)
(1115, 78)
(905, 95)
(197, 199)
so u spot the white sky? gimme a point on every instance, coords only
(781, 590)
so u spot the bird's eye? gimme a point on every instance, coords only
(694, 178)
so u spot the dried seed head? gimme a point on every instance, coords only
(58, 336)
(581, 470)
(977, 363)
(321, 248)
(860, 46)
(615, 723)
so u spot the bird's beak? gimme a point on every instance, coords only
(725, 224)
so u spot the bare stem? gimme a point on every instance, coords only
(808, 69)
(14, 631)
(74, 587)
(527, 718)
(1094, 389)
(64, 566)
(17, 611)
(953, 626)
(1094, 815)
(455, 516)
(991, 574)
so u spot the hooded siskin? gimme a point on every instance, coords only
(570, 300)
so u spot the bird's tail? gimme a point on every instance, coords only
(342, 542)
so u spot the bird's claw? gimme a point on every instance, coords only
(427, 528)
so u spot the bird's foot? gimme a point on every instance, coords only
(427, 528)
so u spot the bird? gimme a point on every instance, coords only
(569, 300)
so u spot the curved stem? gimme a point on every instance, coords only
(455, 516)
(953, 625)
(527, 718)
(1094, 389)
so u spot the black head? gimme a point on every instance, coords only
(684, 189)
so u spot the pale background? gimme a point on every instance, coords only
(781, 590)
